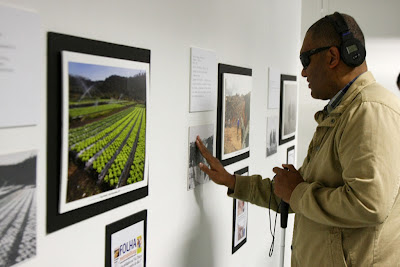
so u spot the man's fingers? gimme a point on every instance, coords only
(203, 150)
(290, 167)
(286, 167)
(277, 170)
(204, 168)
(215, 164)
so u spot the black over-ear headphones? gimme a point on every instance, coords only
(352, 50)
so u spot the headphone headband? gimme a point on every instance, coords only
(340, 24)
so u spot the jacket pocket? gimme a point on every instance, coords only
(336, 248)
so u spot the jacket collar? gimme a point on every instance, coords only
(335, 101)
(359, 84)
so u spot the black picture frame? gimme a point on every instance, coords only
(223, 68)
(284, 78)
(238, 246)
(121, 225)
(289, 149)
(56, 44)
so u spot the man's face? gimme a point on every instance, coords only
(316, 71)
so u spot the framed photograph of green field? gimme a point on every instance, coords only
(97, 134)
(233, 113)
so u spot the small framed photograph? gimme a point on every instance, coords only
(288, 109)
(272, 135)
(291, 156)
(97, 106)
(233, 113)
(126, 241)
(240, 215)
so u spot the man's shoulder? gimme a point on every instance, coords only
(376, 93)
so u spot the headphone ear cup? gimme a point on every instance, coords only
(352, 52)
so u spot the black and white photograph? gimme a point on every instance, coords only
(17, 207)
(195, 175)
(240, 217)
(98, 95)
(272, 135)
(233, 118)
(288, 109)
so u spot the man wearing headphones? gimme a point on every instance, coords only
(346, 194)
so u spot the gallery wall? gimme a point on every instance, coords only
(185, 228)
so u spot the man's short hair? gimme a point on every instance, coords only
(323, 31)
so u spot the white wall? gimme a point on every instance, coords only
(185, 228)
(383, 60)
(379, 22)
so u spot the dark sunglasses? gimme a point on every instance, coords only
(305, 56)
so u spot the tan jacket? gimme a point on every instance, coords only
(348, 208)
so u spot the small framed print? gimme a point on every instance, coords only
(272, 135)
(291, 156)
(97, 105)
(126, 241)
(288, 109)
(233, 113)
(240, 215)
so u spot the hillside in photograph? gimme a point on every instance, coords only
(82, 89)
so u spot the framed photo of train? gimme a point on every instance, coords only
(97, 134)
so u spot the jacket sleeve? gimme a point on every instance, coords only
(368, 150)
(255, 190)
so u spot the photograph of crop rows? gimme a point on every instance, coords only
(107, 128)
(17, 208)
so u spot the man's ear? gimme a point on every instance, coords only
(334, 57)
